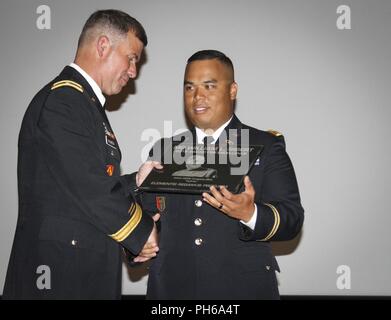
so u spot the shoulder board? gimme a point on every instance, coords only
(275, 133)
(67, 83)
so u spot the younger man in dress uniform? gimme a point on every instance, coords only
(217, 246)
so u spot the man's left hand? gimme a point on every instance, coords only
(239, 206)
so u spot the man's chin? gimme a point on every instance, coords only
(199, 122)
(116, 91)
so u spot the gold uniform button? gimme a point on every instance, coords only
(198, 222)
(198, 241)
(198, 203)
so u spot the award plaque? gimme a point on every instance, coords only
(195, 168)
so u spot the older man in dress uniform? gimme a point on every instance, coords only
(76, 211)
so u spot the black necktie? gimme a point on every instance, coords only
(207, 141)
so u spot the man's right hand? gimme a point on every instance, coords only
(151, 247)
(145, 169)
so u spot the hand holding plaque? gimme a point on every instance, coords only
(195, 168)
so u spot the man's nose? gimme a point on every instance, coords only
(199, 93)
(132, 71)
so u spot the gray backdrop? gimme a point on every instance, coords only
(327, 90)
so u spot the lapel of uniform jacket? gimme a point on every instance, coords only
(69, 73)
(232, 137)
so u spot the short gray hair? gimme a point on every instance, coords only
(114, 23)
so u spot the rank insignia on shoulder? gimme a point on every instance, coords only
(161, 203)
(275, 133)
(67, 83)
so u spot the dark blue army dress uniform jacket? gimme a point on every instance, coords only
(75, 210)
(204, 254)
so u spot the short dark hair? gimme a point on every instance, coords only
(116, 20)
(212, 54)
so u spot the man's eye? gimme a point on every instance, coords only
(188, 88)
(210, 86)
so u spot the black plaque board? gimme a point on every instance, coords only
(194, 168)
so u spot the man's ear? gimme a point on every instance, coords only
(233, 90)
(103, 46)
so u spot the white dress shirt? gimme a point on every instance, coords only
(91, 82)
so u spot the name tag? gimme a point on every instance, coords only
(110, 138)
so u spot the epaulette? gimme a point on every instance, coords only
(67, 83)
(275, 133)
